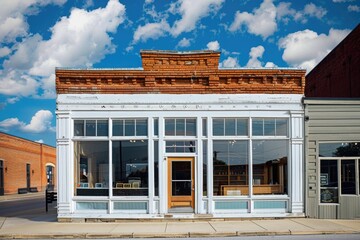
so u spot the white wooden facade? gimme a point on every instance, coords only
(158, 107)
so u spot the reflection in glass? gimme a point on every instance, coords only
(339, 149)
(230, 127)
(91, 168)
(270, 167)
(141, 127)
(90, 127)
(180, 146)
(348, 179)
(181, 178)
(218, 127)
(190, 127)
(129, 127)
(78, 127)
(102, 128)
(270, 127)
(230, 167)
(130, 168)
(118, 128)
(329, 181)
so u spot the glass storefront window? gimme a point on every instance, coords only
(130, 127)
(130, 168)
(329, 181)
(270, 167)
(230, 168)
(230, 127)
(180, 146)
(339, 149)
(270, 127)
(180, 127)
(91, 128)
(205, 163)
(91, 168)
(348, 179)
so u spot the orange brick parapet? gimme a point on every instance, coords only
(171, 72)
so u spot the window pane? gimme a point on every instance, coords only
(91, 168)
(129, 127)
(190, 127)
(170, 127)
(130, 167)
(230, 168)
(348, 180)
(204, 127)
(218, 127)
(328, 181)
(229, 127)
(205, 162)
(180, 127)
(156, 167)
(118, 128)
(281, 127)
(242, 127)
(269, 127)
(90, 127)
(181, 170)
(102, 128)
(339, 149)
(156, 127)
(257, 127)
(270, 167)
(141, 127)
(78, 127)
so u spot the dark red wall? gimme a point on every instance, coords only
(338, 74)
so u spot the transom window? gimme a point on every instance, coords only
(130, 127)
(91, 127)
(230, 127)
(270, 127)
(180, 146)
(180, 127)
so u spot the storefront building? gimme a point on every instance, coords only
(180, 138)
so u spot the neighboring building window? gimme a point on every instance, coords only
(180, 146)
(91, 168)
(130, 127)
(270, 167)
(230, 168)
(269, 127)
(130, 167)
(180, 127)
(230, 127)
(329, 181)
(344, 156)
(91, 127)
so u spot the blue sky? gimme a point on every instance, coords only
(38, 35)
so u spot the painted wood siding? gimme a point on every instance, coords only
(329, 120)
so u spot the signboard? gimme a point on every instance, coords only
(324, 179)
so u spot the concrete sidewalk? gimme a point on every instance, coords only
(45, 226)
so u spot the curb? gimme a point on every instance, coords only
(168, 235)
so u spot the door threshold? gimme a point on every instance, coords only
(181, 210)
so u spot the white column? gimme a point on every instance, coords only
(63, 164)
(199, 205)
(297, 163)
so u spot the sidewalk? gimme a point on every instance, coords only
(45, 226)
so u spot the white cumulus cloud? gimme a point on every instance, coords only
(353, 8)
(79, 40)
(285, 12)
(191, 12)
(40, 122)
(256, 53)
(185, 42)
(151, 31)
(307, 48)
(261, 22)
(214, 45)
(230, 62)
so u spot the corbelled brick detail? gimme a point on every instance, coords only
(176, 73)
(16, 153)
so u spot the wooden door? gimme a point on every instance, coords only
(181, 183)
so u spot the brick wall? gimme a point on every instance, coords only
(338, 74)
(180, 73)
(16, 153)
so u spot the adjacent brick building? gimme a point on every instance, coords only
(26, 165)
(180, 137)
(338, 74)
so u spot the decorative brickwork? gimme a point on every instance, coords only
(179, 73)
(15, 153)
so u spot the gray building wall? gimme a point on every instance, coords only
(336, 120)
